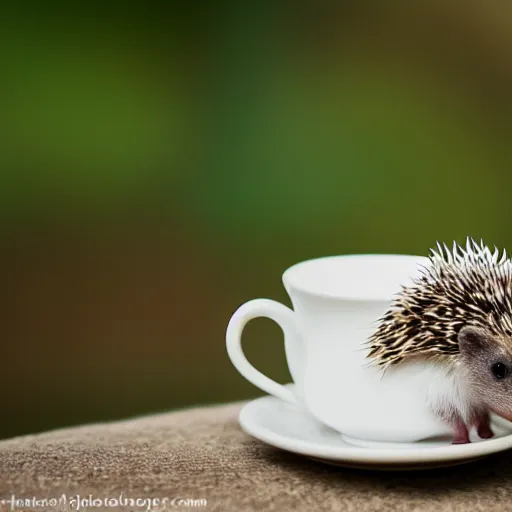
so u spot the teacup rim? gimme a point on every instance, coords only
(289, 285)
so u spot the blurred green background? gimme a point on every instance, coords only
(162, 165)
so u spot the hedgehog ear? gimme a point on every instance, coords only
(472, 340)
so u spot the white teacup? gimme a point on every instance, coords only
(337, 302)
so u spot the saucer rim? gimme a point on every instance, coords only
(351, 453)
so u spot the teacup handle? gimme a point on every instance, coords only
(257, 308)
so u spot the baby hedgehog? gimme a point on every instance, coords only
(456, 315)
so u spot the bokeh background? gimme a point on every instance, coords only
(161, 165)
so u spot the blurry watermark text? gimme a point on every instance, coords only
(78, 502)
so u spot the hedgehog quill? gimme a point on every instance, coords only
(456, 316)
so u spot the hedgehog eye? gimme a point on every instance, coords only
(499, 370)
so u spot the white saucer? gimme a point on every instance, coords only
(290, 428)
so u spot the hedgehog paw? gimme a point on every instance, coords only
(460, 433)
(485, 432)
(483, 427)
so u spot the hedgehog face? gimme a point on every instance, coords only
(488, 365)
